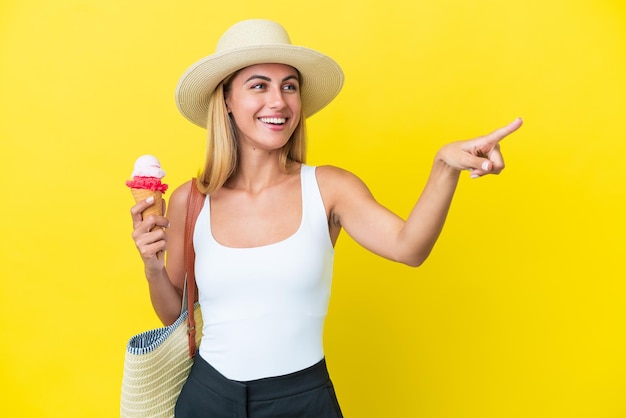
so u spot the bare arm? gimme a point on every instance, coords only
(152, 246)
(379, 230)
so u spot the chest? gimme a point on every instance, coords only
(240, 219)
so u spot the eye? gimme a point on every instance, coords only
(290, 87)
(257, 86)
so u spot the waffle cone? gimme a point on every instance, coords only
(143, 194)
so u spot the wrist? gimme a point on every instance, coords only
(441, 166)
(155, 274)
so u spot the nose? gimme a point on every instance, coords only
(276, 99)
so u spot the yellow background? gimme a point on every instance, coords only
(520, 310)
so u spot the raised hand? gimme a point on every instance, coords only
(480, 155)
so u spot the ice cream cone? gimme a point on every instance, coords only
(143, 194)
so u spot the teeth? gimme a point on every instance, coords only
(275, 121)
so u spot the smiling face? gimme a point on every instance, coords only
(264, 103)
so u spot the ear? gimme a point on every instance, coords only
(227, 106)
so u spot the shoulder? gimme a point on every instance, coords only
(343, 193)
(177, 203)
(180, 195)
(340, 187)
(335, 178)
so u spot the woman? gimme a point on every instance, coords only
(265, 236)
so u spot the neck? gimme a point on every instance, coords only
(258, 172)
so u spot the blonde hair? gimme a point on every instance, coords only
(222, 152)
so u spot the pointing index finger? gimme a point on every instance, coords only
(501, 133)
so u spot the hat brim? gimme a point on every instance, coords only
(322, 77)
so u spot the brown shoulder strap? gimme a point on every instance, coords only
(194, 205)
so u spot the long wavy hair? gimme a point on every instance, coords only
(222, 154)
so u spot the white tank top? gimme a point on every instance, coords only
(264, 307)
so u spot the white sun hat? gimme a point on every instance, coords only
(252, 42)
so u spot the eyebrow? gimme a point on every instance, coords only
(262, 77)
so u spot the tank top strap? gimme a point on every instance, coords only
(313, 209)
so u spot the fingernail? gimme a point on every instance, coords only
(474, 176)
(485, 166)
(150, 199)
